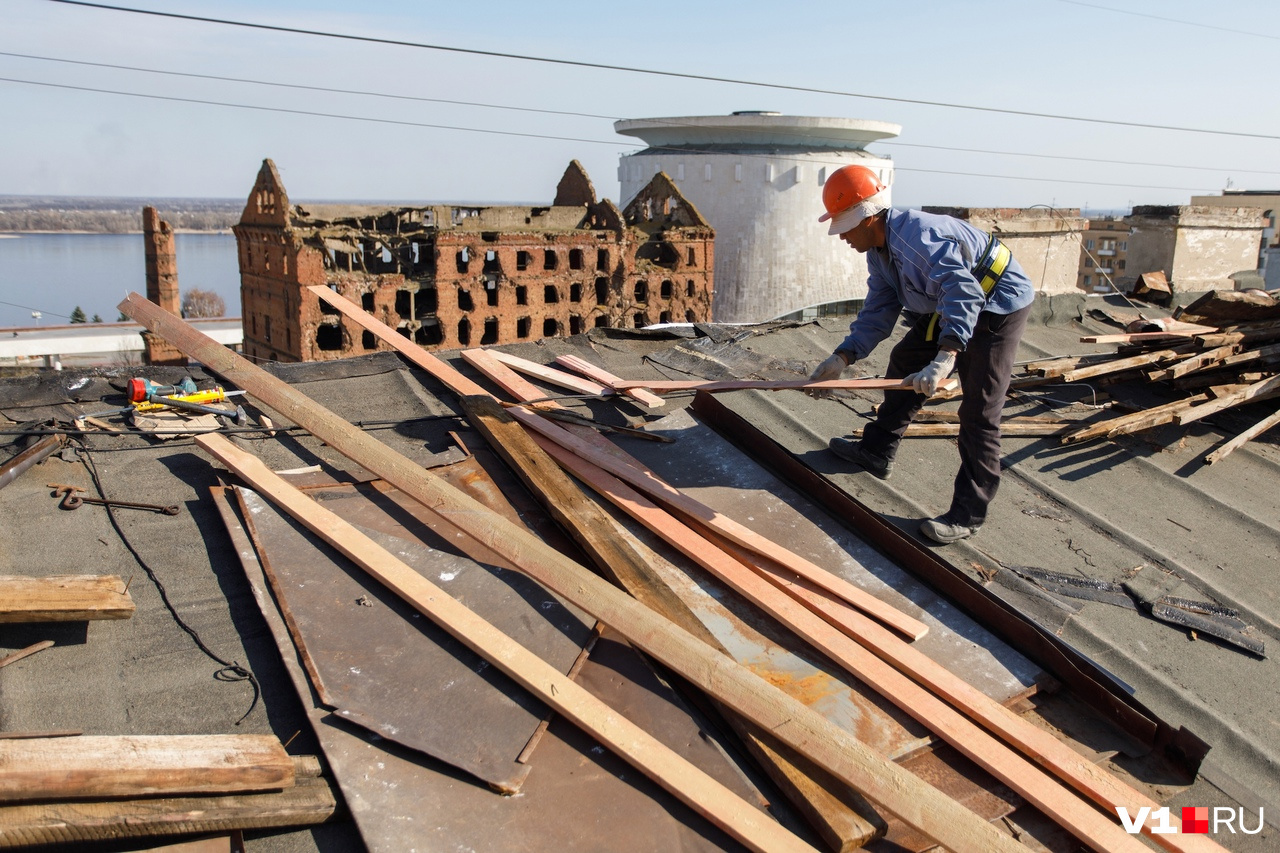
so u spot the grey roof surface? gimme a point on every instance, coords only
(1141, 506)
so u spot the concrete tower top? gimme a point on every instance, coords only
(758, 129)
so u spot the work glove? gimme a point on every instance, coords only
(926, 381)
(832, 368)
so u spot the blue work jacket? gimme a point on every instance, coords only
(926, 267)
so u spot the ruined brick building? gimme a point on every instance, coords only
(449, 276)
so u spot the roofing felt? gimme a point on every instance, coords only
(1140, 506)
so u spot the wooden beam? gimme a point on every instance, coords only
(550, 375)
(924, 430)
(135, 766)
(620, 464)
(604, 377)
(1231, 446)
(649, 483)
(1081, 818)
(439, 369)
(63, 598)
(611, 550)
(1118, 364)
(1258, 391)
(668, 385)
(637, 747)
(307, 803)
(914, 802)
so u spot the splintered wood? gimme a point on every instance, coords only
(1210, 369)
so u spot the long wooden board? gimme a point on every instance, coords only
(614, 554)
(1079, 817)
(551, 375)
(139, 765)
(692, 785)
(900, 793)
(25, 825)
(604, 377)
(609, 456)
(64, 598)
(668, 385)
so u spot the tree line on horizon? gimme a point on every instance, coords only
(196, 304)
(102, 220)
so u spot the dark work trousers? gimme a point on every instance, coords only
(985, 369)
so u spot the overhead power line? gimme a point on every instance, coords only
(651, 71)
(1171, 20)
(614, 144)
(808, 136)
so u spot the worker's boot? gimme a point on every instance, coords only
(945, 531)
(853, 451)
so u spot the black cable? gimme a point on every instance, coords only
(403, 123)
(655, 72)
(807, 136)
(231, 670)
(1171, 20)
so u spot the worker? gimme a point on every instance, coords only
(966, 300)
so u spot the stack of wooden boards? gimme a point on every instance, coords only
(853, 630)
(59, 790)
(61, 787)
(1210, 369)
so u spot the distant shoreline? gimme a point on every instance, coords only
(4, 234)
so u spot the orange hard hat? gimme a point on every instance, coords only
(846, 189)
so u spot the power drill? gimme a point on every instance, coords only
(141, 389)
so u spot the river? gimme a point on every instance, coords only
(54, 273)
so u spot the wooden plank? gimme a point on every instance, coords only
(604, 377)
(307, 803)
(141, 765)
(668, 385)
(550, 375)
(903, 795)
(597, 533)
(1184, 330)
(1119, 364)
(924, 430)
(22, 653)
(1231, 446)
(1209, 358)
(609, 456)
(441, 370)
(64, 598)
(1258, 391)
(1024, 777)
(652, 485)
(693, 786)
(1127, 423)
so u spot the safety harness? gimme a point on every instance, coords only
(988, 271)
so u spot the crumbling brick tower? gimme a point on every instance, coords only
(161, 256)
(449, 276)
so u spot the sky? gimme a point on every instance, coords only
(424, 125)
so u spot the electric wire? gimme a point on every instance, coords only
(806, 136)
(406, 123)
(654, 72)
(1170, 20)
(231, 670)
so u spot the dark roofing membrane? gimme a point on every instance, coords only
(1143, 505)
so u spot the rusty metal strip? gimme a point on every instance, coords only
(1082, 675)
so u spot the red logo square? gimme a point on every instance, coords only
(1195, 819)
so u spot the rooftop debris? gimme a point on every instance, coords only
(786, 586)
(341, 569)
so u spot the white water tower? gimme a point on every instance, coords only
(757, 178)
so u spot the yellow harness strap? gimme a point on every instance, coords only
(994, 261)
